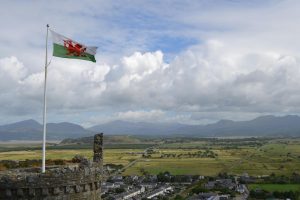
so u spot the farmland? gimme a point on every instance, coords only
(276, 187)
(185, 156)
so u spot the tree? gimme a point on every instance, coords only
(119, 190)
(178, 197)
(164, 177)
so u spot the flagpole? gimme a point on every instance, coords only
(45, 106)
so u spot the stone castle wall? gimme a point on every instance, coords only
(78, 182)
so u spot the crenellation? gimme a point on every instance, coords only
(97, 185)
(76, 182)
(85, 188)
(91, 186)
(67, 189)
(77, 188)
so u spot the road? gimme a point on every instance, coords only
(129, 164)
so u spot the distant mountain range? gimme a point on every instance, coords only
(262, 126)
(32, 130)
(138, 128)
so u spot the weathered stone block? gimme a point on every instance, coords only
(31, 192)
(68, 189)
(56, 190)
(45, 191)
(8, 193)
(20, 192)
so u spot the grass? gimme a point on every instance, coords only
(271, 157)
(176, 166)
(275, 187)
(28, 147)
(36, 154)
(281, 157)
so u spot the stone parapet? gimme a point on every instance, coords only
(76, 182)
(73, 182)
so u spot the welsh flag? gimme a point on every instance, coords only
(67, 48)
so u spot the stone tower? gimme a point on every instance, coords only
(81, 182)
(98, 148)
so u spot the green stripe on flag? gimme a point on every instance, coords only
(61, 51)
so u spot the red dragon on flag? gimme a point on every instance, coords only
(74, 49)
(64, 47)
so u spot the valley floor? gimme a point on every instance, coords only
(257, 157)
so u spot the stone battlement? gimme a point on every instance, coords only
(82, 181)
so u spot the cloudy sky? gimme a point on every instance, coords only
(158, 61)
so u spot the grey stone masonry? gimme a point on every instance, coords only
(77, 182)
(98, 147)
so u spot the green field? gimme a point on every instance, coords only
(254, 156)
(281, 157)
(115, 156)
(275, 187)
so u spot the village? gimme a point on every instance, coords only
(167, 186)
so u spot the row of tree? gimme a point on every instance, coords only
(263, 194)
(198, 154)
